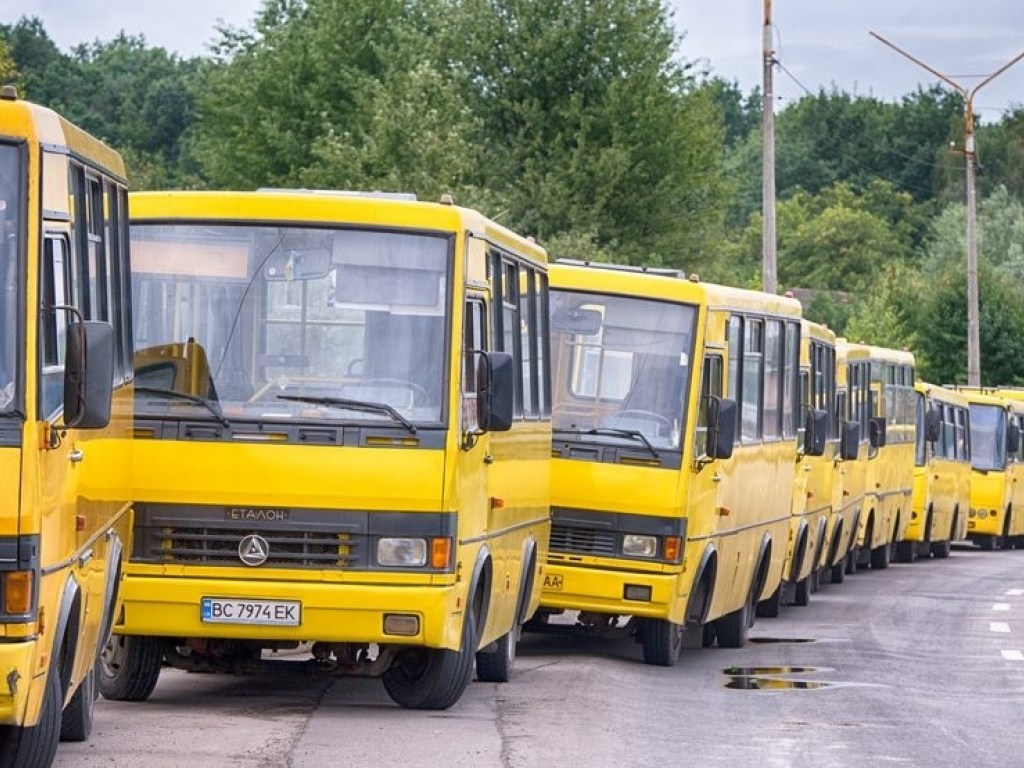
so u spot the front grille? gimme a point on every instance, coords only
(219, 546)
(582, 541)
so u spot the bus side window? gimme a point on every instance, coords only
(474, 341)
(711, 386)
(54, 325)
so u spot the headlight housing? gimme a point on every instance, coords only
(637, 545)
(402, 552)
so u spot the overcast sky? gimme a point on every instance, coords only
(820, 43)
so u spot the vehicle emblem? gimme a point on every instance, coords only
(253, 550)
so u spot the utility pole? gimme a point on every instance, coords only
(970, 154)
(769, 282)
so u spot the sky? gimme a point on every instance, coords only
(818, 43)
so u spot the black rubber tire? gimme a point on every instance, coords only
(662, 641)
(498, 666)
(35, 747)
(732, 628)
(942, 549)
(838, 572)
(987, 543)
(76, 720)
(880, 557)
(130, 667)
(906, 551)
(770, 608)
(432, 678)
(802, 593)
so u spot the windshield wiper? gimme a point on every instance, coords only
(176, 395)
(635, 434)
(354, 405)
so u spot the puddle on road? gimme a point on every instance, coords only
(767, 640)
(773, 678)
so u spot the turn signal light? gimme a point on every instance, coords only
(18, 592)
(672, 548)
(440, 552)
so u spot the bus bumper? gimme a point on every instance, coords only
(568, 587)
(328, 612)
(20, 691)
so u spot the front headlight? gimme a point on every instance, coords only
(636, 545)
(406, 553)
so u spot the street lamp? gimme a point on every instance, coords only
(973, 333)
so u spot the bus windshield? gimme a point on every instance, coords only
(622, 367)
(10, 246)
(988, 437)
(289, 322)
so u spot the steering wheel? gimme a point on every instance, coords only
(418, 391)
(637, 413)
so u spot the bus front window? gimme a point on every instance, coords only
(622, 365)
(988, 437)
(11, 212)
(289, 322)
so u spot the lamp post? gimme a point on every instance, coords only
(970, 154)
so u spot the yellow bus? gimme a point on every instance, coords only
(817, 534)
(65, 422)
(942, 474)
(343, 438)
(890, 424)
(997, 468)
(675, 443)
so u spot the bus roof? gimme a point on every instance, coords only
(607, 279)
(817, 331)
(940, 393)
(861, 351)
(320, 206)
(983, 396)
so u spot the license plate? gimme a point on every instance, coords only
(554, 582)
(278, 613)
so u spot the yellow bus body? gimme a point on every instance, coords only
(997, 471)
(487, 492)
(610, 490)
(848, 487)
(942, 475)
(64, 514)
(889, 477)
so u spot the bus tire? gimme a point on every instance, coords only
(432, 678)
(987, 543)
(802, 592)
(662, 640)
(880, 557)
(498, 665)
(130, 667)
(905, 551)
(76, 720)
(732, 628)
(837, 572)
(942, 549)
(770, 608)
(35, 746)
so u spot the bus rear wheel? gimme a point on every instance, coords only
(130, 666)
(432, 678)
(35, 746)
(662, 640)
(76, 720)
(732, 628)
(498, 665)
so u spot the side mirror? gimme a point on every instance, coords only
(849, 440)
(721, 421)
(88, 375)
(932, 425)
(495, 390)
(876, 431)
(1012, 438)
(815, 432)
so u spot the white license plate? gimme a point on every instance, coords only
(278, 613)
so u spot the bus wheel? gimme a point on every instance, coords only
(662, 640)
(130, 666)
(880, 557)
(987, 543)
(942, 548)
(802, 593)
(432, 678)
(36, 746)
(838, 572)
(905, 552)
(732, 628)
(76, 720)
(770, 608)
(498, 665)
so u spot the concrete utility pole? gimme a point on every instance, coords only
(970, 154)
(769, 282)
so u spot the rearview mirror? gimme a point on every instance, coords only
(932, 425)
(721, 421)
(876, 431)
(495, 392)
(1013, 438)
(815, 432)
(849, 440)
(88, 375)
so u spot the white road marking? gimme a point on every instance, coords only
(1013, 655)
(998, 626)
(1014, 592)
(1001, 606)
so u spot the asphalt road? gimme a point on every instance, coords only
(921, 664)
